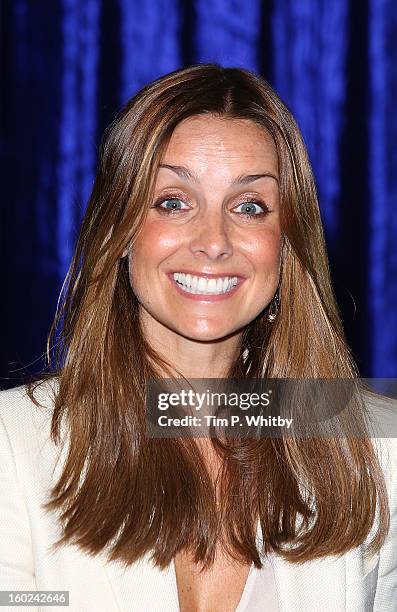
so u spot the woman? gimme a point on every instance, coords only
(201, 255)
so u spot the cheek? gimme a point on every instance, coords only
(153, 245)
(156, 240)
(265, 251)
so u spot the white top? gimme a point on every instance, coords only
(260, 590)
(29, 466)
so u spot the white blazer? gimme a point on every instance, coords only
(348, 583)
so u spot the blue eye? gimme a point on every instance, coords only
(252, 209)
(174, 205)
(171, 204)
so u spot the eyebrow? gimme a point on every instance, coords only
(242, 179)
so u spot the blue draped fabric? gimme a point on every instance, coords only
(309, 75)
(228, 33)
(382, 240)
(78, 120)
(150, 47)
(68, 66)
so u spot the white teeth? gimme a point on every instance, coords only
(211, 285)
(204, 286)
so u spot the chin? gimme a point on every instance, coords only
(207, 334)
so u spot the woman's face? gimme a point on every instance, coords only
(206, 261)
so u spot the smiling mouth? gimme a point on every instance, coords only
(200, 285)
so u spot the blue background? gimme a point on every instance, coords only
(69, 65)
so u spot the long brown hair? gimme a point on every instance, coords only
(125, 493)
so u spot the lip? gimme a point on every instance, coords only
(207, 298)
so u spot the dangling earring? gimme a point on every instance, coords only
(273, 308)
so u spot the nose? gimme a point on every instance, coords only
(211, 236)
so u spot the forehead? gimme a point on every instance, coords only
(207, 138)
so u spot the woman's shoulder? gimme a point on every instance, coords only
(22, 420)
(382, 426)
(383, 414)
(43, 392)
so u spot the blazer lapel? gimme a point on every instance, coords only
(312, 586)
(143, 586)
(338, 584)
